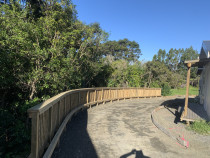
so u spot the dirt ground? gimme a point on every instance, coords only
(125, 129)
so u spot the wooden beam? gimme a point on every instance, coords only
(187, 89)
(192, 61)
(198, 62)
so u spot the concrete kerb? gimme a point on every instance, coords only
(180, 140)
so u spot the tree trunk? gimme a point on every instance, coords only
(33, 90)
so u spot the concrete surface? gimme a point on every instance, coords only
(120, 130)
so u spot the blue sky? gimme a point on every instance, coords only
(154, 24)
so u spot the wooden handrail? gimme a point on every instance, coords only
(50, 117)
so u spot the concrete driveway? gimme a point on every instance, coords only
(120, 130)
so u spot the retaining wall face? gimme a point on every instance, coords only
(48, 117)
(205, 88)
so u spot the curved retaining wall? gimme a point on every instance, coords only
(49, 118)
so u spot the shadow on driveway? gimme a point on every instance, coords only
(75, 142)
(174, 104)
(138, 153)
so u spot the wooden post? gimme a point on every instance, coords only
(59, 117)
(88, 97)
(51, 123)
(70, 103)
(130, 93)
(155, 92)
(79, 99)
(187, 89)
(35, 135)
(110, 95)
(124, 93)
(118, 95)
(65, 106)
(136, 93)
(95, 96)
(102, 94)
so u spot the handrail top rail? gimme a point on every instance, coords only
(45, 105)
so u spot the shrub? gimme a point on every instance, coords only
(166, 89)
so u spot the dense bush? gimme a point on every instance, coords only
(166, 89)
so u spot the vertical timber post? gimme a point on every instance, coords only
(136, 93)
(79, 98)
(102, 95)
(88, 94)
(65, 106)
(87, 97)
(70, 101)
(95, 96)
(110, 95)
(59, 119)
(118, 98)
(51, 123)
(187, 89)
(35, 135)
(124, 93)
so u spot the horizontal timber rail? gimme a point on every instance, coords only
(50, 117)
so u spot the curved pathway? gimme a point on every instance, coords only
(120, 129)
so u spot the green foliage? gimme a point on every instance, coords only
(161, 56)
(15, 130)
(175, 71)
(119, 74)
(46, 50)
(135, 75)
(167, 70)
(155, 84)
(201, 127)
(125, 74)
(166, 89)
(122, 49)
(42, 54)
(156, 74)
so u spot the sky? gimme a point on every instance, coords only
(154, 24)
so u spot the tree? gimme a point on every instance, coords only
(161, 55)
(135, 74)
(122, 49)
(40, 57)
(157, 74)
(188, 54)
(119, 74)
(174, 61)
(88, 56)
